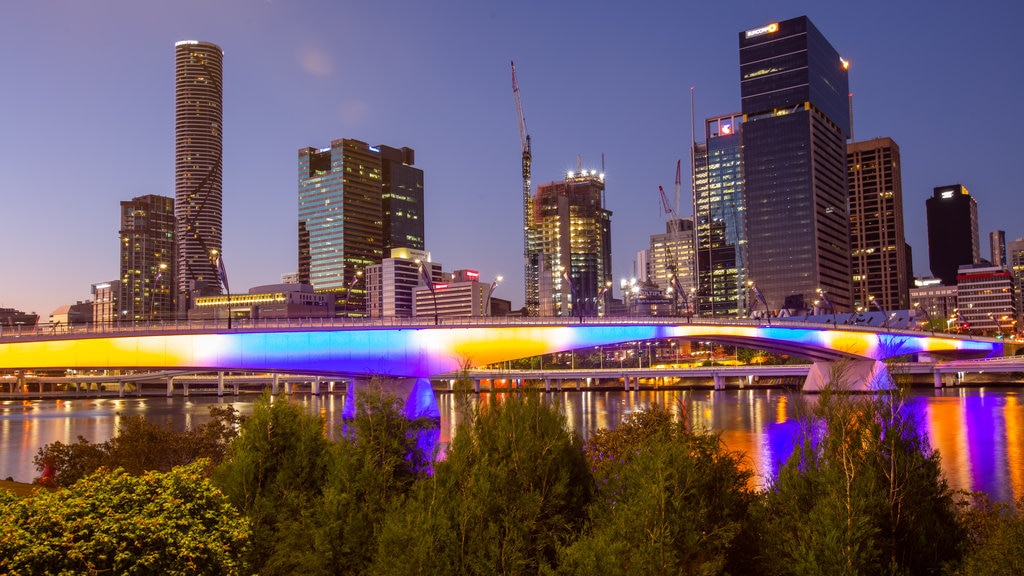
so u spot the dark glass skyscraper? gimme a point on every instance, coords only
(356, 203)
(147, 260)
(795, 106)
(198, 160)
(952, 231)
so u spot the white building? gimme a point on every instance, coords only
(985, 299)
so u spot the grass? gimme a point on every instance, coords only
(19, 488)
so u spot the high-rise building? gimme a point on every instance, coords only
(391, 283)
(198, 162)
(460, 295)
(796, 121)
(356, 203)
(1015, 261)
(106, 302)
(672, 265)
(147, 259)
(719, 211)
(984, 299)
(952, 231)
(571, 234)
(997, 247)
(877, 242)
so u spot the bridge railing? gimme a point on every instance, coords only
(62, 331)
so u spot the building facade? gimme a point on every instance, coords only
(672, 265)
(877, 242)
(718, 208)
(106, 302)
(274, 301)
(390, 285)
(997, 248)
(985, 299)
(355, 201)
(952, 231)
(198, 163)
(1015, 260)
(147, 278)
(571, 237)
(796, 122)
(937, 300)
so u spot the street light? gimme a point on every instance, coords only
(757, 292)
(487, 301)
(600, 295)
(156, 286)
(222, 272)
(348, 292)
(824, 298)
(430, 286)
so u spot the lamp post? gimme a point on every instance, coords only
(348, 292)
(757, 293)
(487, 301)
(153, 292)
(600, 298)
(222, 273)
(430, 286)
(824, 298)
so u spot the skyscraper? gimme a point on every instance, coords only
(719, 211)
(877, 243)
(571, 237)
(356, 203)
(147, 260)
(952, 231)
(997, 247)
(795, 124)
(198, 161)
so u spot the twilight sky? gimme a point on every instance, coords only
(87, 114)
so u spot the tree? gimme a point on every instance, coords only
(112, 522)
(668, 500)
(513, 488)
(862, 493)
(995, 538)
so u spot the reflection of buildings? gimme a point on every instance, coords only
(356, 203)
(570, 235)
(952, 231)
(719, 213)
(796, 121)
(880, 267)
(147, 259)
(198, 151)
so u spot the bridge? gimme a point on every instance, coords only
(410, 351)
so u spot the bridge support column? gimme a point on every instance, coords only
(314, 386)
(273, 384)
(120, 389)
(288, 387)
(184, 386)
(849, 375)
(220, 384)
(170, 386)
(234, 388)
(625, 380)
(938, 379)
(420, 400)
(547, 384)
(476, 385)
(719, 381)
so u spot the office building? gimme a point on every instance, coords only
(796, 122)
(997, 248)
(937, 300)
(672, 265)
(390, 284)
(106, 302)
(198, 163)
(273, 301)
(1015, 259)
(460, 295)
(147, 260)
(356, 203)
(571, 237)
(877, 242)
(985, 299)
(71, 315)
(12, 318)
(952, 231)
(720, 282)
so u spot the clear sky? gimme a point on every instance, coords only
(87, 114)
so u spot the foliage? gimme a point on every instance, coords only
(138, 446)
(513, 488)
(995, 538)
(113, 522)
(274, 473)
(861, 494)
(668, 501)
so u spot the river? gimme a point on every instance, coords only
(979, 432)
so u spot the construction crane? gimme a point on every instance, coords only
(531, 272)
(665, 205)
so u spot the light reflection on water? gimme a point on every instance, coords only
(979, 432)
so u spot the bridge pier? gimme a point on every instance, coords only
(220, 384)
(848, 375)
(184, 386)
(420, 400)
(273, 384)
(314, 386)
(938, 379)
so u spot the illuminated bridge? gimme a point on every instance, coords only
(413, 351)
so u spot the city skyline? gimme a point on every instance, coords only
(98, 87)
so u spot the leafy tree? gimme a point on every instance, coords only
(116, 523)
(668, 501)
(995, 538)
(513, 488)
(138, 446)
(862, 493)
(274, 472)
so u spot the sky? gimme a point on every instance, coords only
(87, 115)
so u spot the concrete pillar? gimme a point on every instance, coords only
(185, 388)
(288, 387)
(625, 380)
(274, 383)
(855, 375)
(719, 381)
(220, 384)
(547, 384)
(170, 386)
(937, 378)
(314, 386)
(234, 387)
(120, 389)
(476, 385)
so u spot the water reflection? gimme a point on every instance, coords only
(978, 431)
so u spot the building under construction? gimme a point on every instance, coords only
(570, 246)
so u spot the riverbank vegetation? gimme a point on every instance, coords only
(515, 492)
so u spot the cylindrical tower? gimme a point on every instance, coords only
(198, 148)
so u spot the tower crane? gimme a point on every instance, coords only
(665, 205)
(531, 272)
